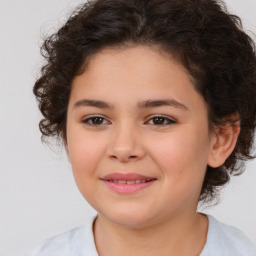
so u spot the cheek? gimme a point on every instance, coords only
(182, 164)
(85, 153)
(181, 155)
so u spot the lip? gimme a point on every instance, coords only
(127, 176)
(111, 181)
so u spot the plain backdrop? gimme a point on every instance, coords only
(38, 195)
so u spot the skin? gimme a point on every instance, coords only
(160, 219)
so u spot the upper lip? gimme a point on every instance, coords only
(127, 176)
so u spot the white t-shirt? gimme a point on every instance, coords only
(222, 240)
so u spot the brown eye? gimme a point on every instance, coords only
(95, 120)
(161, 121)
(158, 120)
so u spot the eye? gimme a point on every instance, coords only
(161, 121)
(95, 121)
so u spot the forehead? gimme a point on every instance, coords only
(140, 66)
(126, 77)
(138, 58)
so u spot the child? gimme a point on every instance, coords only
(154, 101)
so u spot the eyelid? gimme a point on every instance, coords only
(171, 120)
(87, 118)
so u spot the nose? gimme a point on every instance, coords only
(125, 144)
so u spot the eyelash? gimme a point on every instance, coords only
(89, 120)
(167, 121)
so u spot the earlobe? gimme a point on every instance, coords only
(223, 143)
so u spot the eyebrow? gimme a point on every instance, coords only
(142, 104)
(159, 103)
(92, 103)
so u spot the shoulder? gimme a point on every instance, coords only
(77, 241)
(226, 240)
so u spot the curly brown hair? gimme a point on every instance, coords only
(203, 36)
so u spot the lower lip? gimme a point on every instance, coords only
(128, 188)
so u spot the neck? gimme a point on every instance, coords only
(181, 235)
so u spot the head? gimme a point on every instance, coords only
(199, 35)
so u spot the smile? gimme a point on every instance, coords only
(127, 183)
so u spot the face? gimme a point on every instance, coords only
(137, 136)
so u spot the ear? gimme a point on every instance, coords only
(224, 140)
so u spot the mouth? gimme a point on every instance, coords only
(127, 183)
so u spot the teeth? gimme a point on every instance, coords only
(120, 181)
(129, 182)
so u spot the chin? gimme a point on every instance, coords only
(132, 218)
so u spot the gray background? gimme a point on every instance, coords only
(38, 195)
